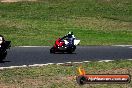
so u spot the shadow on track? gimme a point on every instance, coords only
(4, 61)
(62, 53)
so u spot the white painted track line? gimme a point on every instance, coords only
(105, 60)
(123, 45)
(39, 65)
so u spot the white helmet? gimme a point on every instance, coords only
(70, 33)
(1, 40)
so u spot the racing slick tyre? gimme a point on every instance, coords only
(3, 56)
(71, 49)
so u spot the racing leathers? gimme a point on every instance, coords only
(70, 38)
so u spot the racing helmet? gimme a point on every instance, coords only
(1, 39)
(70, 33)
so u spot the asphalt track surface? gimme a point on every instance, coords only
(18, 56)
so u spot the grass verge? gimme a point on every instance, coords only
(94, 22)
(62, 76)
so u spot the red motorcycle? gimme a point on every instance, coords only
(63, 46)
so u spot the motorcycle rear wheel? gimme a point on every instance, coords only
(71, 49)
(3, 56)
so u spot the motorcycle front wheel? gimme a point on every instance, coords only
(52, 50)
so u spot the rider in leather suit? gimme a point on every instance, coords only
(70, 37)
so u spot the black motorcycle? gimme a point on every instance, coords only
(4, 45)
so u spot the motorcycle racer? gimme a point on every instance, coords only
(70, 37)
(4, 45)
(67, 44)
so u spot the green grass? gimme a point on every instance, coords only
(94, 22)
(62, 76)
